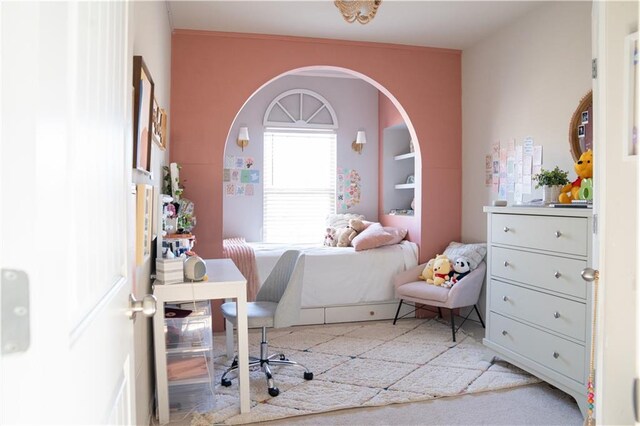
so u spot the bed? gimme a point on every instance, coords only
(341, 284)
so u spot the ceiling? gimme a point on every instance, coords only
(447, 24)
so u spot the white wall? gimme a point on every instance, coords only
(151, 35)
(356, 105)
(524, 80)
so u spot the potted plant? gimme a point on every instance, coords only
(551, 182)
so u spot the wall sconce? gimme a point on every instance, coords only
(243, 137)
(358, 144)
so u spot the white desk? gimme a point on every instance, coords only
(225, 281)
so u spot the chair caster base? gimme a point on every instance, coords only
(308, 375)
(225, 382)
(274, 391)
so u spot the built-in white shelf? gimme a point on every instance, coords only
(405, 156)
(405, 186)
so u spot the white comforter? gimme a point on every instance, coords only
(340, 275)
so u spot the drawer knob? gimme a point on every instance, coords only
(505, 298)
(504, 332)
(557, 234)
(505, 229)
(556, 315)
(556, 355)
(506, 263)
(557, 274)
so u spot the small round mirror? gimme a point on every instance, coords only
(581, 127)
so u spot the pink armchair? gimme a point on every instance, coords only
(466, 292)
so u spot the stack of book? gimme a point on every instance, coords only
(170, 271)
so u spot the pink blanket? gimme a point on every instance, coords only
(244, 257)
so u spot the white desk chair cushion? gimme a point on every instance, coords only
(259, 314)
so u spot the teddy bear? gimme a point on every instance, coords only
(584, 170)
(331, 237)
(349, 233)
(427, 272)
(441, 269)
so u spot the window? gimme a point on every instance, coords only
(299, 184)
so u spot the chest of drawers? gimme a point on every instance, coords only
(539, 309)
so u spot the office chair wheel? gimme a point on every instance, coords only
(225, 382)
(274, 391)
(308, 375)
(283, 358)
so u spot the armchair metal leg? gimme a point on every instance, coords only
(397, 312)
(453, 325)
(479, 316)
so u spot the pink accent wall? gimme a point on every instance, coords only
(213, 75)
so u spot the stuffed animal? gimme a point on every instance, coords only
(461, 268)
(427, 272)
(342, 237)
(584, 170)
(441, 269)
(331, 237)
(355, 227)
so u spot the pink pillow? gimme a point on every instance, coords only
(374, 236)
(398, 234)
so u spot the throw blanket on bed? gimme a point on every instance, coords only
(244, 257)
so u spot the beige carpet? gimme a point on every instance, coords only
(363, 364)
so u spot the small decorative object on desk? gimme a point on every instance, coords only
(170, 271)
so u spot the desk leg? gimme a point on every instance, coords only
(243, 352)
(229, 338)
(162, 386)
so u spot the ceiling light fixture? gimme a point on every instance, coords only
(362, 11)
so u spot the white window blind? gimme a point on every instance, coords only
(299, 185)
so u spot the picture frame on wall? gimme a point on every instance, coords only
(159, 125)
(144, 222)
(632, 91)
(142, 114)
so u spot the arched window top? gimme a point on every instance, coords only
(300, 108)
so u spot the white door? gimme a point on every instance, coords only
(66, 212)
(616, 193)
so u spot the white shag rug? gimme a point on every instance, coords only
(360, 364)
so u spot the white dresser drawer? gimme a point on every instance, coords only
(555, 313)
(553, 233)
(553, 352)
(559, 274)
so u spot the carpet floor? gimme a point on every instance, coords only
(362, 364)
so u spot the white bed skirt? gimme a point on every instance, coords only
(339, 276)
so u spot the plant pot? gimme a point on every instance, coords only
(550, 193)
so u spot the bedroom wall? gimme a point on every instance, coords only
(208, 90)
(525, 80)
(151, 37)
(356, 105)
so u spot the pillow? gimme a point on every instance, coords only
(341, 220)
(372, 237)
(397, 234)
(474, 252)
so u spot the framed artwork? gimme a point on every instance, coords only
(159, 125)
(142, 114)
(632, 92)
(144, 221)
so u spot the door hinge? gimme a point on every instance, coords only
(14, 289)
(594, 68)
(595, 224)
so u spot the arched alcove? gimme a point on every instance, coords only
(242, 215)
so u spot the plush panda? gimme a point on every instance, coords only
(461, 268)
